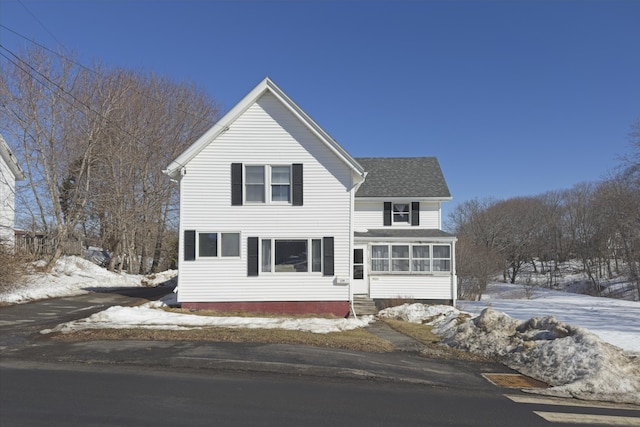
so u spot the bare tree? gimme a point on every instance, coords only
(155, 120)
(45, 112)
(94, 144)
(477, 250)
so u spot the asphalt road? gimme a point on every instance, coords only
(45, 382)
(34, 395)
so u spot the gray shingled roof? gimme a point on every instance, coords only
(403, 233)
(402, 177)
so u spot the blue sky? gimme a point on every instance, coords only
(515, 98)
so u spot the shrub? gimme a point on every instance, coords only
(12, 268)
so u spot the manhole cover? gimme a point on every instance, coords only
(514, 381)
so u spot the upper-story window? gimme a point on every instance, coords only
(254, 184)
(403, 213)
(280, 183)
(266, 184)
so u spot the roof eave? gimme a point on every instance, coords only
(222, 125)
(409, 198)
(11, 160)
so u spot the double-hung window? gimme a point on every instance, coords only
(280, 183)
(267, 184)
(401, 213)
(254, 182)
(410, 258)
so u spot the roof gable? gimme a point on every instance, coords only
(266, 85)
(10, 160)
(415, 177)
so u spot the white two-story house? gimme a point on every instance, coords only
(276, 216)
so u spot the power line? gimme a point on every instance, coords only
(197, 117)
(59, 89)
(42, 25)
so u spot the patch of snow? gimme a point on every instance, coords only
(149, 317)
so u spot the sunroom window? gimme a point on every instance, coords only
(420, 258)
(400, 258)
(380, 258)
(412, 258)
(441, 258)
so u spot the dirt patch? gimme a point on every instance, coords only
(357, 339)
(432, 347)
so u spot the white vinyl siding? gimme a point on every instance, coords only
(369, 215)
(7, 203)
(409, 286)
(265, 134)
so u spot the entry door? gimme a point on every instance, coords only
(360, 280)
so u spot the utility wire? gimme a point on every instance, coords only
(59, 89)
(42, 25)
(199, 119)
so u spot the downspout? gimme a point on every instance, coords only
(454, 275)
(354, 189)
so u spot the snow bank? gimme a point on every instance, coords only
(576, 362)
(73, 275)
(613, 320)
(148, 316)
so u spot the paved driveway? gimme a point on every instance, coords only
(21, 323)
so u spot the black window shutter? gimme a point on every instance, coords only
(189, 245)
(296, 172)
(236, 184)
(415, 213)
(327, 250)
(252, 256)
(387, 213)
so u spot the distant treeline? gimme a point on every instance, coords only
(595, 223)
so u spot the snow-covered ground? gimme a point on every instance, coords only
(74, 276)
(585, 347)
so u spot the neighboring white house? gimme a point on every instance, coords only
(276, 216)
(10, 172)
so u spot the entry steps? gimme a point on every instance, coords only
(363, 305)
